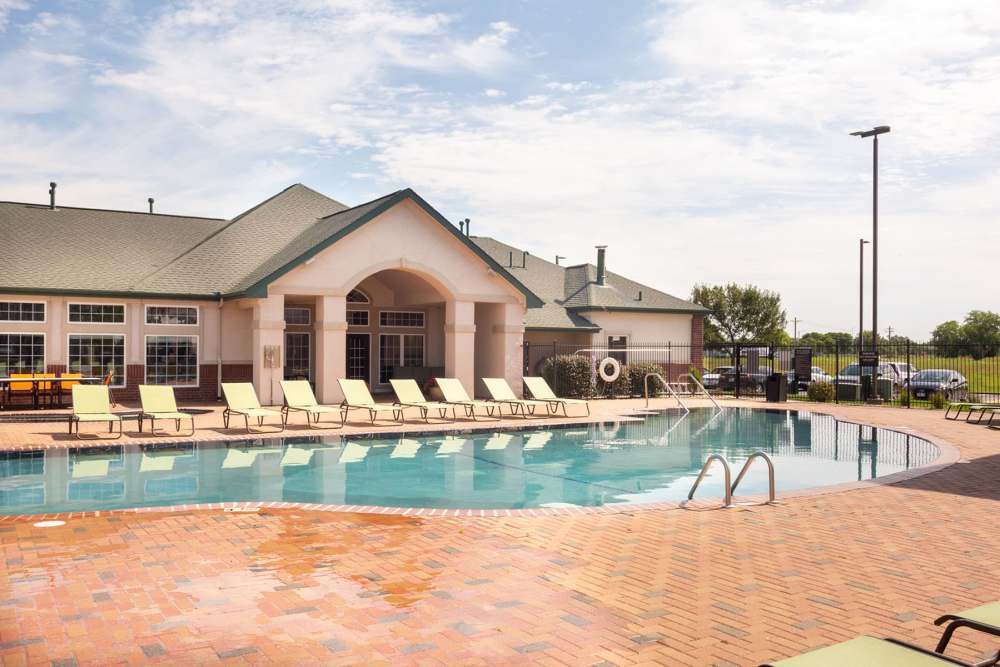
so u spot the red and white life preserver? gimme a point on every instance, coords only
(609, 369)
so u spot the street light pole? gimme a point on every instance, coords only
(861, 298)
(874, 132)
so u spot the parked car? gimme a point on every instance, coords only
(951, 384)
(817, 375)
(751, 382)
(710, 379)
(903, 369)
(851, 374)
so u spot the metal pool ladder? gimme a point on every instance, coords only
(698, 384)
(730, 488)
(645, 388)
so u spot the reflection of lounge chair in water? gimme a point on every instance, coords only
(499, 441)
(244, 458)
(537, 440)
(353, 453)
(406, 449)
(452, 445)
(160, 459)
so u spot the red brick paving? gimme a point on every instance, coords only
(646, 587)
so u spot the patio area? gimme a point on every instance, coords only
(723, 587)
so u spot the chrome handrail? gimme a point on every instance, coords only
(728, 498)
(705, 391)
(645, 389)
(770, 474)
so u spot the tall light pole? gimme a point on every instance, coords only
(874, 132)
(861, 298)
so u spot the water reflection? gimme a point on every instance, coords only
(652, 460)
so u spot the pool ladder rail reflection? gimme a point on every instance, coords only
(730, 487)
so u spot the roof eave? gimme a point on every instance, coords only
(697, 310)
(113, 294)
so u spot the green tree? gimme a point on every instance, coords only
(842, 338)
(741, 313)
(815, 339)
(948, 337)
(981, 332)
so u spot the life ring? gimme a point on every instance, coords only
(602, 369)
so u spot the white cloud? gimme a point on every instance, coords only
(8, 6)
(568, 86)
(494, 92)
(488, 52)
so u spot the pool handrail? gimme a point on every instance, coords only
(698, 384)
(728, 497)
(770, 473)
(645, 389)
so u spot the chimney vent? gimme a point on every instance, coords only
(640, 296)
(52, 196)
(510, 258)
(466, 226)
(150, 204)
(461, 226)
(558, 257)
(601, 272)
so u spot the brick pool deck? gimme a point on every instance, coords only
(667, 587)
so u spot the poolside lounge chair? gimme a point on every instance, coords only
(540, 390)
(158, 402)
(984, 618)
(299, 397)
(971, 407)
(408, 395)
(241, 399)
(454, 393)
(93, 404)
(357, 397)
(501, 392)
(867, 651)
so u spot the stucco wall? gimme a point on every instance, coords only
(643, 327)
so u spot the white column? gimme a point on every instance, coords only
(331, 347)
(508, 342)
(55, 339)
(268, 330)
(460, 342)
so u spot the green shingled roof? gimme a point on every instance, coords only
(570, 292)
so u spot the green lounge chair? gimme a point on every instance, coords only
(966, 406)
(299, 397)
(92, 403)
(870, 652)
(983, 410)
(454, 394)
(408, 395)
(501, 392)
(540, 390)
(158, 402)
(357, 397)
(241, 399)
(985, 618)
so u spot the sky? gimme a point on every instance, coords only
(703, 142)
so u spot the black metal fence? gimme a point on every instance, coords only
(907, 374)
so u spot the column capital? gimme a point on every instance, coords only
(330, 326)
(273, 325)
(460, 328)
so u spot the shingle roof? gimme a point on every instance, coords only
(569, 292)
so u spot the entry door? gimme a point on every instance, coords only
(398, 350)
(298, 352)
(359, 352)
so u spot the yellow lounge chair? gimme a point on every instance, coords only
(501, 392)
(92, 403)
(299, 397)
(408, 395)
(541, 391)
(241, 399)
(357, 397)
(454, 393)
(985, 618)
(867, 651)
(158, 402)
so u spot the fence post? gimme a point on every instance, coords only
(555, 375)
(739, 356)
(909, 394)
(836, 375)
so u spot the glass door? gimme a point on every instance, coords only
(297, 355)
(359, 356)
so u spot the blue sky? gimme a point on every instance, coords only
(703, 141)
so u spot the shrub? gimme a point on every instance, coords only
(821, 392)
(635, 374)
(569, 375)
(938, 400)
(905, 397)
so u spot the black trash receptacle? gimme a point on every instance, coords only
(776, 388)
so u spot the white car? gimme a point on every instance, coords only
(817, 375)
(710, 379)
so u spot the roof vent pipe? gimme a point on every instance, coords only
(524, 259)
(52, 196)
(558, 257)
(150, 204)
(510, 259)
(461, 226)
(601, 272)
(466, 226)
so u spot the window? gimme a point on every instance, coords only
(357, 318)
(618, 343)
(401, 318)
(299, 316)
(399, 350)
(357, 296)
(297, 355)
(175, 315)
(22, 353)
(358, 356)
(97, 313)
(18, 311)
(96, 355)
(172, 360)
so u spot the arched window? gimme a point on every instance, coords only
(357, 296)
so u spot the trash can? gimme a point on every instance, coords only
(777, 388)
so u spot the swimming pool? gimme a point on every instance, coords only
(653, 460)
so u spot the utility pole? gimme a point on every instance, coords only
(795, 330)
(890, 334)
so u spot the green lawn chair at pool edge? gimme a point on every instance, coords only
(158, 402)
(967, 406)
(867, 651)
(357, 397)
(241, 399)
(299, 397)
(454, 394)
(983, 411)
(408, 395)
(92, 403)
(984, 618)
(501, 392)
(540, 390)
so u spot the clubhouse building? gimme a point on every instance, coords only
(300, 286)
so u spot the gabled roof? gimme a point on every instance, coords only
(570, 292)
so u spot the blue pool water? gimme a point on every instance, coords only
(653, 460)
